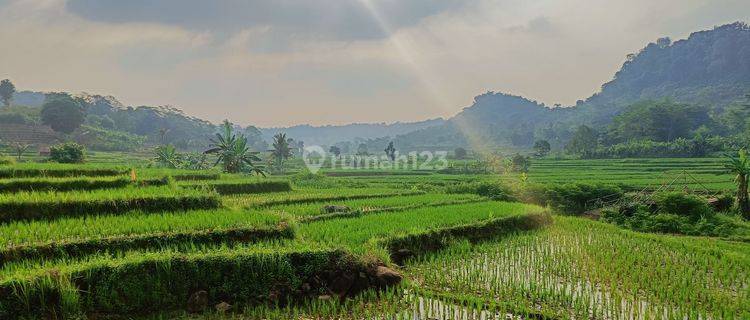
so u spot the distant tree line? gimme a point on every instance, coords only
(664, 128)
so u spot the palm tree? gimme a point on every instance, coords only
(234, 153)
(740, 166)
(167, 156)
(281, 150)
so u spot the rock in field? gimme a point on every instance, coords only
(198, 302)
(387, 276)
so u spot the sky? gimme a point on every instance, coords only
(286, 62)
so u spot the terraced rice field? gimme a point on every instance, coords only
(98, 241)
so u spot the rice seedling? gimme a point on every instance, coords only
(584, 269)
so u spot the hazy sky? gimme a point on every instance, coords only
(284, 62)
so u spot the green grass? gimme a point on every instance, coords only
(54, 205)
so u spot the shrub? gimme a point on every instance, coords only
(67, 153)
(620, 215)
(683, 204)
(723, 203)
(665, 223)
(520, 163)
(315, 180)
(492, 190)
(570, 198)
(672, 212)
(15, 118)
(4, 161)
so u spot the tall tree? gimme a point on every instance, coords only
(460, 153)
(19, 149)
(740, 166)
(281, 150)
(541, 148)
(584, 142)
(390, 151)
(336, 151)
(7, 90)
(63, 114)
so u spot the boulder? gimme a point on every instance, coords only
(223, 307)
(198, 302)
(387, 277)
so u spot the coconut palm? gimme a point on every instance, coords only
(740, 166)
(281, 150)
(234, 153)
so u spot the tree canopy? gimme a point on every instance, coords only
(7, 90)
(584, 142)
(63, 114)
(662, 120)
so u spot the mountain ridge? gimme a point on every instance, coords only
(710, 68)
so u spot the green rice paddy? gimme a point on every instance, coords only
(102, 240)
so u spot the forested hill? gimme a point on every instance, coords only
(501, 118)
(327, 135)
(710, 69)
